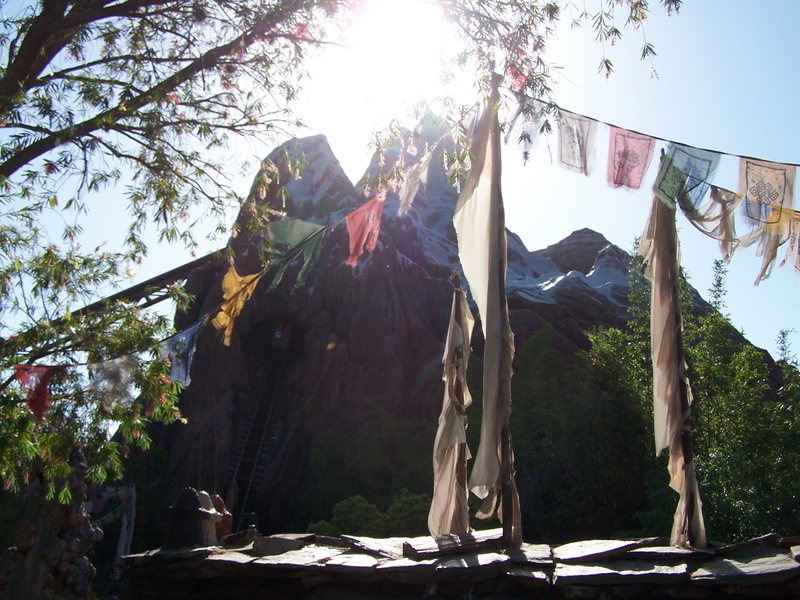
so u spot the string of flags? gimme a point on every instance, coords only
(111, 380)
(762, 206)
(759, 212)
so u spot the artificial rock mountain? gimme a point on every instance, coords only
(364, 352)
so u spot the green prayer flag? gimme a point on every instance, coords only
(291, 237)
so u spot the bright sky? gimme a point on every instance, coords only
(722, 84)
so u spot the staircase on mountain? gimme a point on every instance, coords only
(255, 448)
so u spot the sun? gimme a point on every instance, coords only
(399, 46)
(390, 56)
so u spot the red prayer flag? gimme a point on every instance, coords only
(36, 381)
(363, 227)
(629, 156)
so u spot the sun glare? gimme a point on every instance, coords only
(389, 57)
(398, 45)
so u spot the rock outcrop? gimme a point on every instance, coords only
(365, 342)
(49, 558)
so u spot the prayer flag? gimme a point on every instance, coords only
(672, 394)
(768, 190)
(575, 139)
(363, 227)
(112, 379)
(629, 156)
(180, 350)
(482, 246)
(236, 291)
(36, 381)
(526, 124)
(412, 179)
(449, 512)
(297, 237)
(684, 175)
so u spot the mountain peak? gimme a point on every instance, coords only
(576, 252)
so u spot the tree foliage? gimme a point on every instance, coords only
(407, 515)
(746, 450)
(745, 447)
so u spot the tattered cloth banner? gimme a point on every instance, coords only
(449, 512)
(629, 156)
(36, 381)
(412, 179)
(112, 379)
(672, 395)
(684, 175)
(236, 291)
(526, 125)
(290, 238)
(364, 226)
(479, 221)
(717, 219)
(575, 140)
(793, 249)
(180, 350)
(768, 191)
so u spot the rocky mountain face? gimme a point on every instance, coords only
(356, 347)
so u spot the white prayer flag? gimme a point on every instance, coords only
(449, 512)
(480, 226)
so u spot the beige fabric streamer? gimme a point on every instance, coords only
(793, 248)
(717, 219)
(480, 226)
(672, 396)
(449, 512)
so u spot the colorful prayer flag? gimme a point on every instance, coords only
(112, 379)
(716, 219)
(36, 381)
(793, 247)
(768, 189)
(629, 156)
(526, 125)
(296, 237)
(412, 179)
(364, 226)
(236, 291)
(180, 350)
(684, 175)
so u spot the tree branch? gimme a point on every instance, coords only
(260, 30)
